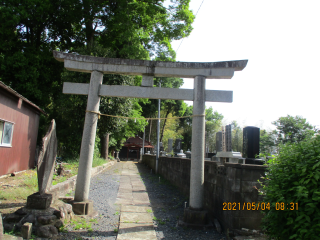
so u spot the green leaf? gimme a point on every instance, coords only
(293, 236)
(308, 218)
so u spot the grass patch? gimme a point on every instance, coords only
(27, 183)
(98, 161)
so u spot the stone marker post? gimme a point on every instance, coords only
(88, 139)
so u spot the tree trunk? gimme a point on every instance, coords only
(89, 31)
(105, 146)
(150, 129)
(164, 124)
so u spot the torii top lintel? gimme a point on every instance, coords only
(211, 70)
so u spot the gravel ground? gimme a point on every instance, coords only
(166, 202)
(103, 191)
(168, 206)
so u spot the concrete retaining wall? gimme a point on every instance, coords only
(224, 183)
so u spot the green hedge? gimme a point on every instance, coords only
(292, 184)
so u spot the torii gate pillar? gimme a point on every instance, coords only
(197, 157)
(88, 138)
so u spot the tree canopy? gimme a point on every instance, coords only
(293, 129)
(134, 29)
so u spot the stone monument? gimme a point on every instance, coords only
(224, 141)
(45, 169)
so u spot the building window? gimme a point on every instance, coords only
(6, 130)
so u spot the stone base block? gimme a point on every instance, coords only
(195, 216)
(37, 201)
(195, 219)
(26, 230)
(181, 223)
(254, 161)
(82, 208)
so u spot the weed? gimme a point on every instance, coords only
(81, 223)
(149, 210)
(161, 222)
(98, 161)
(116, 213)
(63, 229)
(116, 230)
(93, 220)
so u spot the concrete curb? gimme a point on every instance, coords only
(61, 189)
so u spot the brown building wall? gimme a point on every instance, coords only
(223, 183)
(26, 122)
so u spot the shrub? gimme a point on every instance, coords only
(293, 177)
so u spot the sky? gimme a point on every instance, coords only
(280, 39)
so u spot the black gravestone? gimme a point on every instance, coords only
(228, 138)
(251, 142)
(178, 145)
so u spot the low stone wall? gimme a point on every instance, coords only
(61, 189)
(227, 186)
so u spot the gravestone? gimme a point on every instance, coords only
(219, 141)
(45, 169)
(178, 145)
(161, 147)
(251, 142)
(228, 138)
(223, 139)
(170, 143)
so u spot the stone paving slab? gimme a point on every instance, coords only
(129, 231)
(132, 217)
(135, 215)
(126, 195)
(125, 190)
(136, 209)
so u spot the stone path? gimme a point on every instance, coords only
(135, 216)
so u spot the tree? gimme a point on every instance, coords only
(213, 125)
(237, 137)
(186, 125)
(293, 129)
(267, 142)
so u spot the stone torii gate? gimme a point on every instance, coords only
(98, 66)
